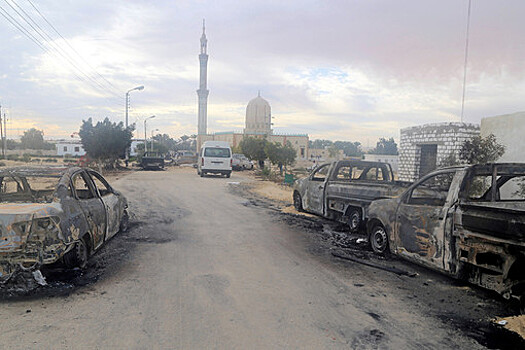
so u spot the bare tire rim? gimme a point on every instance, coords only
(297, 202)
(379, 239)
(355, 221)
(82, 254)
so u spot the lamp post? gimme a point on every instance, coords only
(145, 134)
(127, 100)
(127, 109)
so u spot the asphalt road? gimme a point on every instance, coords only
(201, 268)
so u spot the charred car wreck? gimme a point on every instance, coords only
(466, 221)
(343, 190)
(51, 214)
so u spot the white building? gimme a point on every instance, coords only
(509, 130)
(133, 148)
(69, 147)
(393, 160)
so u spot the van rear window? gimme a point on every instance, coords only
(217, 152)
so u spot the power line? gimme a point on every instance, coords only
(67, 42)
(20, 27)
(466, 59)
(54, 46)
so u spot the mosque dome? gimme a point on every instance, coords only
(258, 116)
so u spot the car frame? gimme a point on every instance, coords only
(71, 222)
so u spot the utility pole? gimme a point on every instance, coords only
(5, 134)
(2, 133)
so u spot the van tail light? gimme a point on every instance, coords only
(202, 161)
(231, 161)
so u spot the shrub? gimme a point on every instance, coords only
(26, 158)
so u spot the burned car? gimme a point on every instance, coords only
(54, 214)
(465, 221)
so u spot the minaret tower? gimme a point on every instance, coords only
(203, 91)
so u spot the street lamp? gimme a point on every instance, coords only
(127, 109)
(127, 100)
(145, 135)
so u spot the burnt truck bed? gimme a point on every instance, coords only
(466, 221)
(152, 160)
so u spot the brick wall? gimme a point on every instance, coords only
(448, 137)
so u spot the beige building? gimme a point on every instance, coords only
(258, 124)
(258, 117)
(320, 155)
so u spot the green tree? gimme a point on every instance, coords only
(12, 144)
(163, 143)
(34, 139)
(105, 142)
(350, 149)
(481, 150)
(320, 144)
(280, 155)
(253, 148)
(385, 146)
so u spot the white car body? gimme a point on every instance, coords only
(215, 157)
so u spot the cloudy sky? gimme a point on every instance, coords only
(342, 70)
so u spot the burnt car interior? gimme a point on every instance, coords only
(81, 187)
(361, 172)
(508, 187)
(27, 189)
(433, 191)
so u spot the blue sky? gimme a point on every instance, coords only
(342, 70)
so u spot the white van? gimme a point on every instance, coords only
(215, 157)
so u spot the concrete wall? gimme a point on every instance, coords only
(448, 137)
(393, 160)
(509, 130)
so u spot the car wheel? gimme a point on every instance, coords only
(298, 202)
(78, 256)
(228, 175)
(379, 239)
(124, 222)
(202, 174)
(354, 220)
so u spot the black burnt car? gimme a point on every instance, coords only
(55, 214)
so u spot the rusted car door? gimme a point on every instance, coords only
(111, 202)
(315, 189)
(422, 219)
(91, 205)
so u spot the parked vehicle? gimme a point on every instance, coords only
(152, 160)
(466, 221)
(240, 162)
(215, 158)
(343, 190)
(51, 214)
(185, 157)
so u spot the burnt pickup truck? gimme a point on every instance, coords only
(343, 190)
(465, 221)
(152, 160)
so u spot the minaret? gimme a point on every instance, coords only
(203, 91)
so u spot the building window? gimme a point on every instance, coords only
(302, 152)
(77, 149)
(65, 148)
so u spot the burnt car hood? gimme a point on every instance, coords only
(12, 239)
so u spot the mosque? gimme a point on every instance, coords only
(258, 117)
